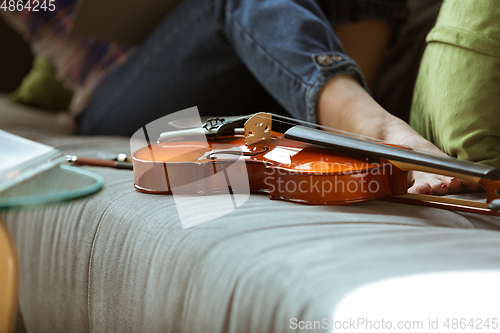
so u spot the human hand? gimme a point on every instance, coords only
(345, 105)
(400, 132)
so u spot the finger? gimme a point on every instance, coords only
(467, 182)
(471, 186)
(453, 183)
(443, 184)
(427, 183)
(439, 186)
(420, 188)
(474, 187)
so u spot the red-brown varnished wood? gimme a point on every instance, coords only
(285, 169)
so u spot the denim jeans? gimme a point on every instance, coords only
(232, 57)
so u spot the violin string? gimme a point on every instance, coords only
(293, 122)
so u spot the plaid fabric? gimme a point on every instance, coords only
(86, 55)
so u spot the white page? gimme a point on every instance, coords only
(16, 151)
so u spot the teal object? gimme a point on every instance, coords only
(58, 184)
(456, 102)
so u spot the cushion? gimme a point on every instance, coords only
(119, 260)
(41, 89)
(457, 95)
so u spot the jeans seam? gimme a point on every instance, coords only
(348, 67)
(175, 33)
(309, 98)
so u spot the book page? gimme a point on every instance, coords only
(16, 151)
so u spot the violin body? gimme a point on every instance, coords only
(303, 164)
(284, 169)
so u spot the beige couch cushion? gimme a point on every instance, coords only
(119, 261)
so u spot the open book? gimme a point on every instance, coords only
(21, 159)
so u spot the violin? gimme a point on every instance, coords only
(301, 164)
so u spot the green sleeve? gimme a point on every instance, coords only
(456, 101)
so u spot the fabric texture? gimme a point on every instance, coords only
(81, 63)
(396, 12)
(221, 56)
(456, 97)
(393, 86)
(266, 48)
(119, 261)
(231, 57)
(41, 89)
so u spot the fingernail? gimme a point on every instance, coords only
(444, 186)
(452, 178)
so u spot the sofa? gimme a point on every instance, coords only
(120, 261)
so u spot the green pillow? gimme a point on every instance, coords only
(456, 101)
(41, 88)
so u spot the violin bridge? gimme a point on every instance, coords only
(258, 128)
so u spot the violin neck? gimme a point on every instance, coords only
(404, 159)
